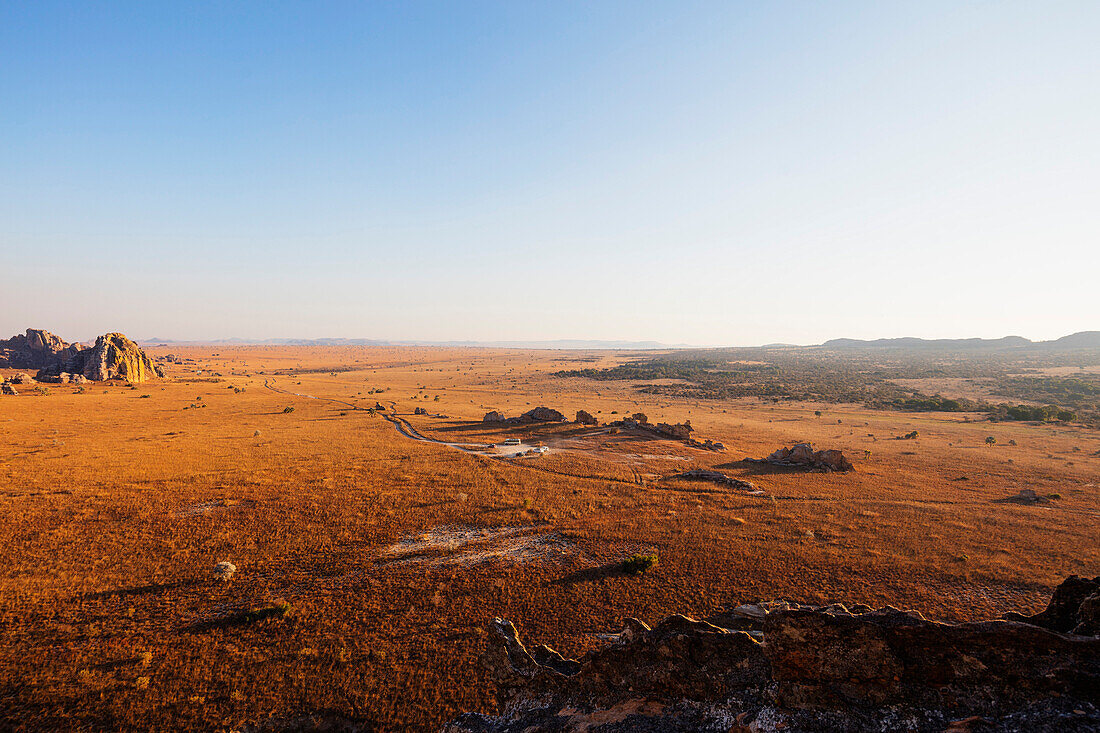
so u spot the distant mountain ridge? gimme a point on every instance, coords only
(549, 344)
(1080, 340)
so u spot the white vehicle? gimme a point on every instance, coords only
(511, 441)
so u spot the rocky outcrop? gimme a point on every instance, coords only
(35, 349)
(7, 389)
(113, 357)
(538, 414)
(679, 431)
(802, 455)
(542, 414)
(586, 418)
(702, 474)
(780, 666)
(1073, 609)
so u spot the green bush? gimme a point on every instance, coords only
(638, 564)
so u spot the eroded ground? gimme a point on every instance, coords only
(393, 550)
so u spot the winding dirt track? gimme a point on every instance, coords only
(405, 428)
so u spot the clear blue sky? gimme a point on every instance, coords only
(708, 173)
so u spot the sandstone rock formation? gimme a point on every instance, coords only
(1073, 609)
(785, 667)
(680, 431)
(702, 474)
(585, 418)
(34, 350)
(113, 357)
(802, 455)
(542, 414)
(493, 416)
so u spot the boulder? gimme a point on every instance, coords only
(493, 416)
(21, 378)
(586, 418)
(1073, 609)
(802, 455)
(543, 414)
(833, 460)
(7, 389)
(1025, 496)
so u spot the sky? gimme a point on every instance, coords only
(709, 173)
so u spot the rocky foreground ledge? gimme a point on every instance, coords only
(794, 668)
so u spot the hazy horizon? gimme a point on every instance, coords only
(696, 173)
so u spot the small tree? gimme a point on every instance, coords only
(991, 441)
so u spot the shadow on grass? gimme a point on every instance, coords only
(588, 575)
(242, 617)
(139, 590)
(755, 468)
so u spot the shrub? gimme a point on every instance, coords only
(287, 410)
(638, 564)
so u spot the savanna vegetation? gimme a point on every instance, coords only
(1011, 383)
(367, 564)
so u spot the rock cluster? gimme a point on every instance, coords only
(787, 667)
(113, 357)
(676, 431)
(702, 474)
(6, 388)
(542, 414)
(679, 431)
(802, 455)
(35, 349)
(586, 418)
(538, 414)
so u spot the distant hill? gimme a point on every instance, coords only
(273, 342)
(1008, 342)
(554, 344)
(1079, 340)
(1082, 340)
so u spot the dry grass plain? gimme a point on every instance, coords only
(394, 553)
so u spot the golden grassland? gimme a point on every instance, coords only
(118, 502)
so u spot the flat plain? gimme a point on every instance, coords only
(369, 561)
